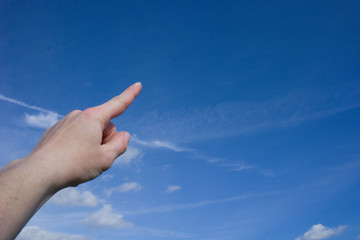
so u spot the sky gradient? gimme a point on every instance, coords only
(247, 126)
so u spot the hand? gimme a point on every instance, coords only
(76, 149)
(84, 144)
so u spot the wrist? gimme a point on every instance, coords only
(42, 174)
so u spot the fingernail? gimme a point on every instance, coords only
(137, 84)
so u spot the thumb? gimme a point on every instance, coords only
(117, 144)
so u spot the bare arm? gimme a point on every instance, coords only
(76, 149)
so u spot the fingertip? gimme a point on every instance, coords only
(127, 137)
(117, 145)
(138, 85)
(118, 104)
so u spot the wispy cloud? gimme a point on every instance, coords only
(125, 187)
(199, 155)
(193, 153)
(73, 197)
(176, 207)
(35, 232)
(106, 218)
(238, 118)
(237, 167)
(268, 173)
(172, 188)
(159, 144)
(319, 231)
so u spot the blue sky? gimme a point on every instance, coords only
(247, 126)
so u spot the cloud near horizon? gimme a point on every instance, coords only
(35, 232)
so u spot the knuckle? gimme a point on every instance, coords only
(124, 146)
(74, 113)
(89, 111)
(120, 101)
(93, 113)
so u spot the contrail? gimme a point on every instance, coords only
(176, 207)
(17, 102)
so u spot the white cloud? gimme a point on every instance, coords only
(34, 232)
(125, 187)
(131, 155)
(73, 197)
(172, 188)
(42, 120)
(106, 218)
(319, 231)
(160, 144)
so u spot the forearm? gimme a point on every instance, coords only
(24, 187)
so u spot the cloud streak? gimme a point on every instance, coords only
(177, 207)
(237, 167)
(159, 144)
(17, 102)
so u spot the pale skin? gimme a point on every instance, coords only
(77, 149)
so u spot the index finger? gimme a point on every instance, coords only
(117, 105)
